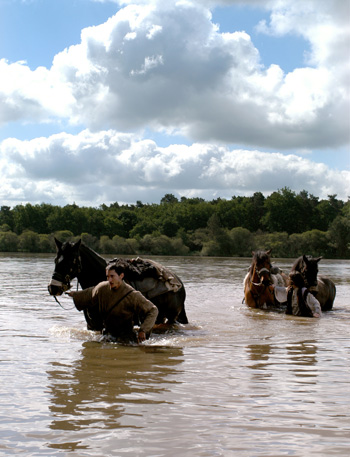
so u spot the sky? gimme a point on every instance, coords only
(105, 101)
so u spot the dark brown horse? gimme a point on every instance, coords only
(161, 286)
(257, 290)
(321, 287)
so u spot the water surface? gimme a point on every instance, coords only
(234, 382)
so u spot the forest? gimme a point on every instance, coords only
(289, 223)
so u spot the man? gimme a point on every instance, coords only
(299, 301)
(120, 305)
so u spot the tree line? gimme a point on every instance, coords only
(290, 224)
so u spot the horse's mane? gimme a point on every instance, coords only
(298, 263)
(91, 255)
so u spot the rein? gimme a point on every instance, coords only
(66, 309)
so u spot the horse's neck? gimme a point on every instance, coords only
(93, 267)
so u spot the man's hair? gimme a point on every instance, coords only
(119, 267)
(297, 279)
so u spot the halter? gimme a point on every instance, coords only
(64, 281)
(259, 273)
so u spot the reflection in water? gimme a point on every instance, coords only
(259, 354)
(109, 386)
(303, 358)
(298, 358)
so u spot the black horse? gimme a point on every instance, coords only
(321, 287)
(155, 282)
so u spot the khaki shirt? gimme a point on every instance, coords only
(119, 316)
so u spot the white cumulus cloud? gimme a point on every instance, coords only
(107, 166)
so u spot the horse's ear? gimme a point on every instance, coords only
(268, 252)
(77, 244)
(318, 259)
(306, 260)
(58, 243)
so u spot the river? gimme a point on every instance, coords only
(234, 382)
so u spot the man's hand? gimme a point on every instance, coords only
(141, 337)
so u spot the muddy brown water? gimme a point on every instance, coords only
(234, 382)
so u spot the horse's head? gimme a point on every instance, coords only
(67, 267)
(308, 267)
(261, 267)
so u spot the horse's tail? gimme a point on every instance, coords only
(182, 317)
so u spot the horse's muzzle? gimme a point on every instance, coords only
(56, 287)
(265, 276)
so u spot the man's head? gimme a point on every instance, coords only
(296, 279)
(115, 274)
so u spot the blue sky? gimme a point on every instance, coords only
(178, 105)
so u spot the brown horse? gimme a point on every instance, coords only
(257, 290)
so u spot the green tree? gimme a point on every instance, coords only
(64, 235)
(70, 217)
(219, 239)
(128, 220)
(169, 227)
(339, 233)
(8, 242)
(46, 243)
(169, 198)
(29, 241)
(282, 212)
(242, 242)
(122, 246)
(142, 228)
(90, 241)
(106, 245)
(278, 242)
(5, 228)
(312, 242)
(326, 211)
(6, 217)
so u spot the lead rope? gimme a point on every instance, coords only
(66, 309)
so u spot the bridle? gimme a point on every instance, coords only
(255, 293)
(63, 281)
(260, 274)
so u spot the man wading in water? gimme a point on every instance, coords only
(120, 305)
(300, 302)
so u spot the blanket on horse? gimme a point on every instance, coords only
(149, 277)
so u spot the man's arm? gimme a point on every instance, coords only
(83, 298)
(314, 305)
(150, 312)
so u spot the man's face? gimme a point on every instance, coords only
(114, 279)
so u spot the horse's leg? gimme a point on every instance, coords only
(249, 299)
(180, 297)
(171, 307)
